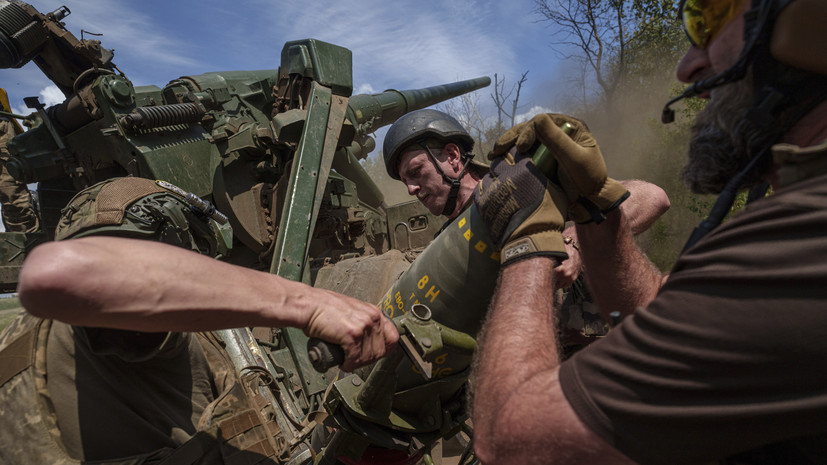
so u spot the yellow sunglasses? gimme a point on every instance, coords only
(704, 19)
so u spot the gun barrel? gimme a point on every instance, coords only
(369, 112)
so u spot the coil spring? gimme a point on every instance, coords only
(163, 115)
(13, 18)
(19, 35)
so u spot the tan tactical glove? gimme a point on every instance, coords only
(522, 210)
(580, 169)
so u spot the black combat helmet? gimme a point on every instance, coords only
(419, 126)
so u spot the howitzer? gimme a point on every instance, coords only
(276, 151)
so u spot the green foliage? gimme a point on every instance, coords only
(614, 45)
(627, 124)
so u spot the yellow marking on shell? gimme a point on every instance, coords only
(461, 223)
(495, 256)
(481, 246)
(432, 294)
(468, 235)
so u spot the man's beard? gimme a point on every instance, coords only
(718, 149)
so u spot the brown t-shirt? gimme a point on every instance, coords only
(732, 354)
(120, 393)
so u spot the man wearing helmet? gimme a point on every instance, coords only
(430, 152)
(723, 361)
(104, 365)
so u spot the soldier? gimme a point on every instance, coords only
(15, 200)
(430, 152)
(723, 362)
(104, 368)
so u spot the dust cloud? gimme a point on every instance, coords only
(637, 145)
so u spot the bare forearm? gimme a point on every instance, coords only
(520, 413)
(620, 277)
(519, 341)
(148, 286)
(646, 203)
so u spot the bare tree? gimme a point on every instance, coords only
(579, 96)
(466, 110)
(501, 96)
(596, 29)
(614, 39)
(470, 112)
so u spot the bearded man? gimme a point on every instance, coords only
(723, 360)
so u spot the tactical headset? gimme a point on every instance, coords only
(788, 32)
(783, 48)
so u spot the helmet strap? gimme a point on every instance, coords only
(451, 201)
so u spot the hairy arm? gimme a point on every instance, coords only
(520, 413)
(148, 286)
(621, 278)
(646, 203)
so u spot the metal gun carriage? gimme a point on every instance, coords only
(277, 151)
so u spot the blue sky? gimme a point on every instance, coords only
(397, 45)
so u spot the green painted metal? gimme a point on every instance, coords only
(308, 177)
(346, 164)
(411, 225)
(462, 256)
(380, 397)
(327, 64)
(370, 112)
(247, 93)
(304, 182)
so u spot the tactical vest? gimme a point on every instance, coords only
(234, 433)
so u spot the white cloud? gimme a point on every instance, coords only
(51, 96)
(403, 44)
(531, 113)
(364, 89)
